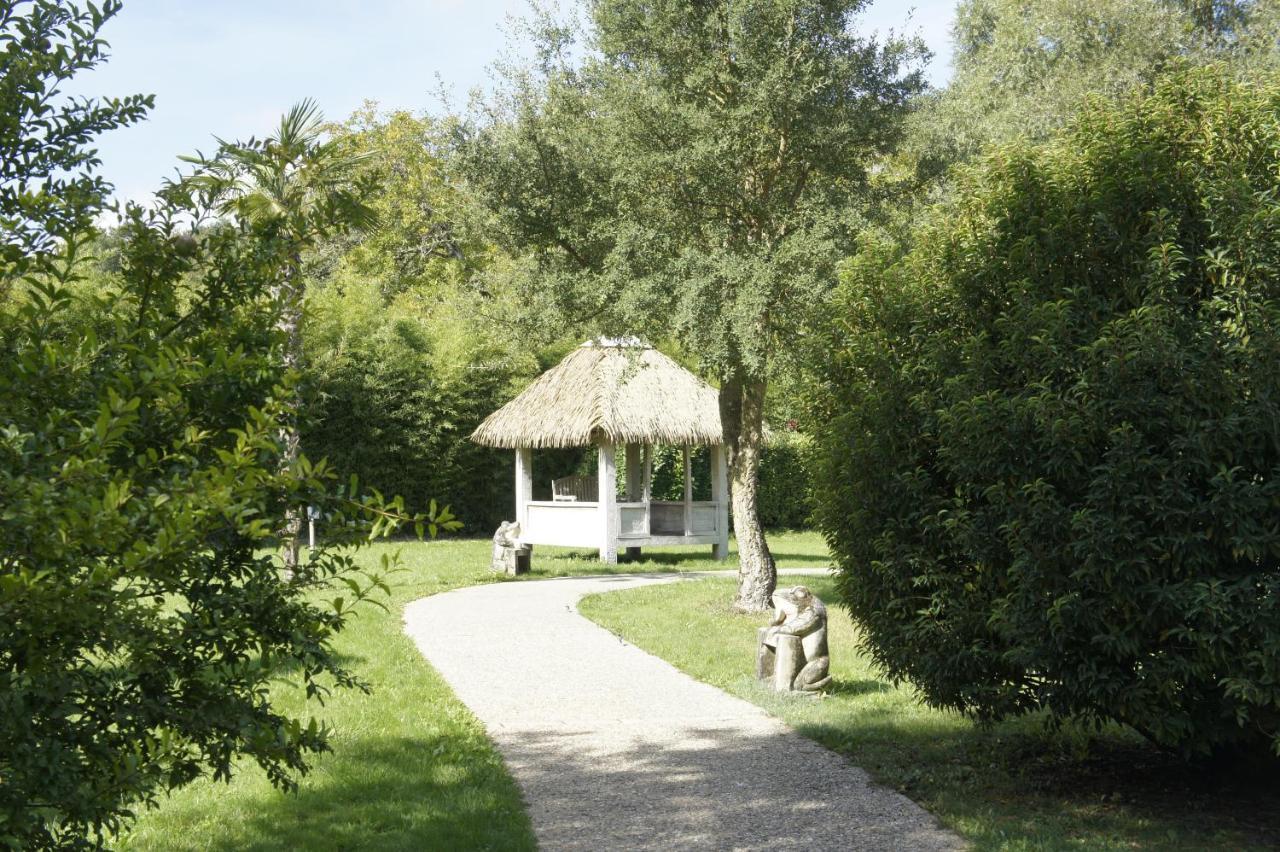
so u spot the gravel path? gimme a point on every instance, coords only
(615, 749)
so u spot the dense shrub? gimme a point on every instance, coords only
(142, 614)
(1051, 476)
(143, 475)
(786, 489)
(386, 404)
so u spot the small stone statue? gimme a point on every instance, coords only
(793, 648)
(508, 556)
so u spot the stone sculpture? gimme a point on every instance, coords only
(508, 556)
(793, 648)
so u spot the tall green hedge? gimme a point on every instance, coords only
(785, 501)
(384, 406)
(1051, 474)
(786, 487)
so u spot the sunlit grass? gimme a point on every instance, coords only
(1015, 786)
(411, 768)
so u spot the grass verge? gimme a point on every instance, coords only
(411, 768)
(1014, 786)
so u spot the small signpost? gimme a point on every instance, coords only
(313, 514)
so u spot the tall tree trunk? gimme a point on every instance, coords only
(742, 416)
(289, 325)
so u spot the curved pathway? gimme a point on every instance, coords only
(615, 749)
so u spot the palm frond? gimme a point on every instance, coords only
(301, 126)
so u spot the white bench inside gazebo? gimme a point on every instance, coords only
(613, 394)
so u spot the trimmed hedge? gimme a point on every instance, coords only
(384, 411)
(1051, 476)
(785, 488)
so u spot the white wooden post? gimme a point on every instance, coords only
(608, 486)
(635, 488)
(720, 494)
(524, 487)
(688, 494)
(647, 492)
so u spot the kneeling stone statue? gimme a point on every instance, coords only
(793, 648)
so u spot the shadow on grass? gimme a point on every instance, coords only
(389, 793)
(816, 560)
(592, 556)
(551, 565)
(1017, 780)
(852, 688)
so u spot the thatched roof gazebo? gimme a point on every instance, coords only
(609, 393)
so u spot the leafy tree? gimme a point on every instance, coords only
(1025, 69)
(422, 242)
(301, 186)
(686, 170)
(1051, 469)
(47, 187)
(140, 480)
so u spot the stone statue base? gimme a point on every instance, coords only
(511, 560)
(778, 663)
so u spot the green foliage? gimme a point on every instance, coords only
(423, 241)
(294, 180)
(683, 169)
(786, 486)
(1050, 472)
(47, 186)
(141, 480)
(1025, 69)
(394, 395)
(407, 345)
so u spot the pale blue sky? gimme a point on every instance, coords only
(231, 67)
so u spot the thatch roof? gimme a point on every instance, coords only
(618, 391)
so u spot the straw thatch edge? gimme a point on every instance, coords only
(622, 394)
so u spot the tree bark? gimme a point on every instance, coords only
(742, 417)
(289, 325)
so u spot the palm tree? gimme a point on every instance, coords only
(306, 186)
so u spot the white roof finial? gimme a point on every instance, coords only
(628, 342)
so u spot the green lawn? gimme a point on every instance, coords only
(411, 768)
(1014, 786)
